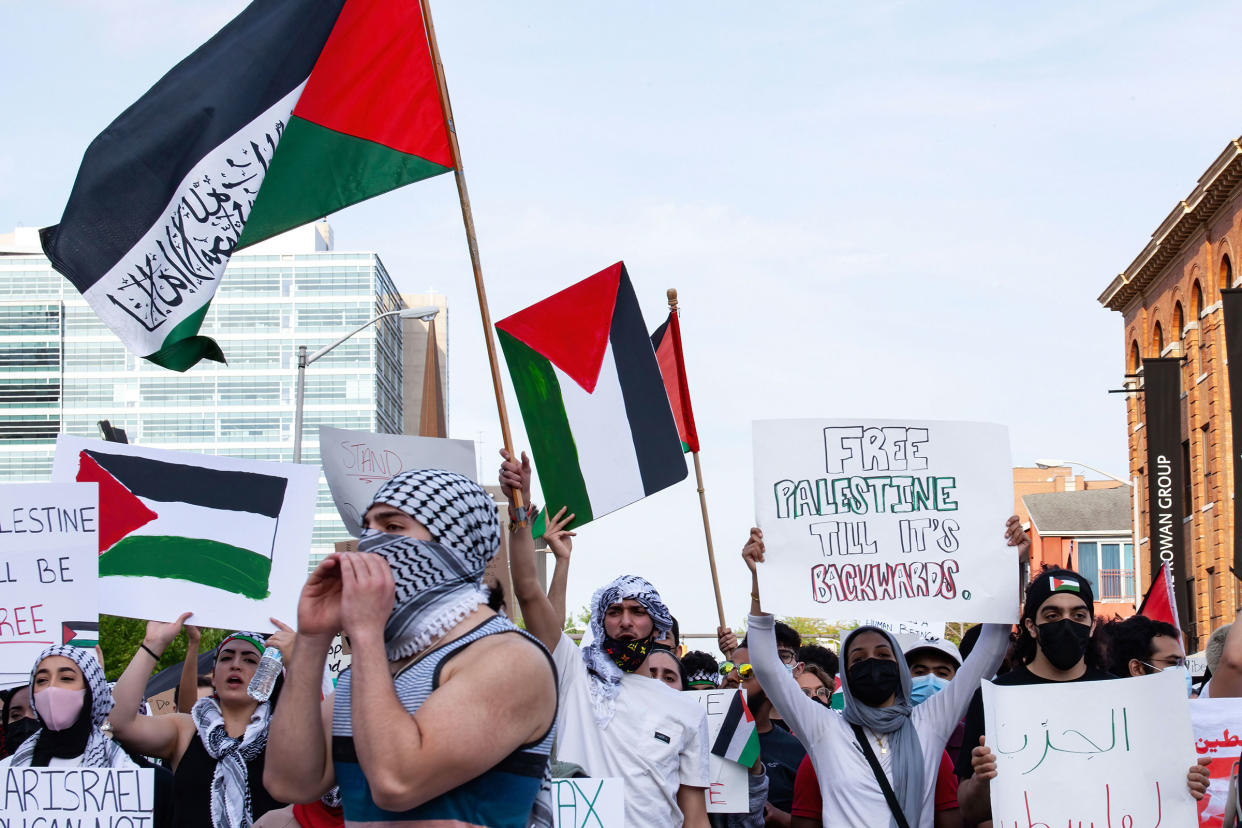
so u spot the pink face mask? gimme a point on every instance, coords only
(58, 707)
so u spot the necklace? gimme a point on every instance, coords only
(879, 740)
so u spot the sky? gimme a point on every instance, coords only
(882, 209)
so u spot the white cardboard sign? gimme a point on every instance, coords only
(1091, 752)
(593, 803)
(728, 791)
(224, 538)
(899, 519)
(49, 538)
(356, 463)
(45, 797)
(1218, 735)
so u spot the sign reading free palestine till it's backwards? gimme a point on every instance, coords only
(885, 519)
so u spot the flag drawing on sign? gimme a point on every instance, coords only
(79, 633)
(294, 109)
(169, 520)
(592, 399)
(738, 740)
(667, 343)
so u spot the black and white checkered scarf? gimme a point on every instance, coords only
(101, 752)
(605, 675)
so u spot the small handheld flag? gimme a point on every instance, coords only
(738, 740)
(667, 343)
(1159, 603)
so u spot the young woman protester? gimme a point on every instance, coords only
(217, 750)
(71, 702)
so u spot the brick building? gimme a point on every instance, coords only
(1169, 298)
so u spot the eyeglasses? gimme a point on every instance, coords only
(743, 670)
(1171, 661)
(823, 693)
(788, 656)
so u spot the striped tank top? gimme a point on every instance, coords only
(501, 797)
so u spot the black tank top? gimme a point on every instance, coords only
(192, 787)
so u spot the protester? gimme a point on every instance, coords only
(672, 639)
(414, 733)
(216, 751)
(662, 665)
(20, 722)
(1053, 646)
(939, 657)
(815, 683)
(822, 657)
(1224, 663)
(613, 721)
(1140, 646)
(877, 719)
(71, 703)
(788, 642)
(702, 671)
(778, 750)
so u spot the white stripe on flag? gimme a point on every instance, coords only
(246, 530)
(602, 435)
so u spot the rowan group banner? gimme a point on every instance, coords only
(1231, 307)
(894, 519)
(1162, 389)
(1091, 752)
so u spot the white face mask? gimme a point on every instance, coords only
(1181, 668)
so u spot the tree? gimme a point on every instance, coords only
(119, 638)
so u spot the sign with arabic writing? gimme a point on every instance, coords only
(1218, 735)
(894, 519)
(1091, 752)
(357, 463)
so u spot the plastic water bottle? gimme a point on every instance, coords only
(265, 675)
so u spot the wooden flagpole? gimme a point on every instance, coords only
(467, 217)
(698, 475)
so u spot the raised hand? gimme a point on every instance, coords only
(726, 640)
(560, 539)
(319, 605)
(1197, 778)
(514, 475)
(282, 640)
(193, 634)
(367, 593)
(160, 635)
(1015, 535)
(753, 551)
(983, 761)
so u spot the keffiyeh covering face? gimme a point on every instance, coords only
(230, 785)
(438, 582)
(100, 751)
(603, 670)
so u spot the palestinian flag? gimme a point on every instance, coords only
(1064, 585)
(738, 740)
(595, 409)
(1159, 604)
(667, 343)
(79, 633)
(169, 520)
(345, 90)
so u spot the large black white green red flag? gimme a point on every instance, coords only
(592, 398)
(294, 109)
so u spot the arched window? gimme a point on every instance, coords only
(1226, 272)
(1136, 360)
(1157, 340)
(1179, 322)
(1196, 301)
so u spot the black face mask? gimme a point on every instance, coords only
(1064, 642)
(18, 731)
(628, 655)
(873, 680)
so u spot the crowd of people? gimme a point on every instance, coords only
(451, 715)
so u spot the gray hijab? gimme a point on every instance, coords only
(907, 769)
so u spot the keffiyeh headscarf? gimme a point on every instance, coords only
(438, 582)
(605, 674)
(230, 784)
(907, 769)
(101, 752)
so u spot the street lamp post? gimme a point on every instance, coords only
(426, 314)
(1134, 500)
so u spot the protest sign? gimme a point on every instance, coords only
(1218, 735)
(728, 791)
(163, 702)
(71, 796)
(357, 463)
(339, 658)
(929, 631)
(578, 803)
(1091, 752)
(224, 538)
(897, 519)
(49, 537)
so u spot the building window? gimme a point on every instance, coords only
(1136, 361)
(1226, 272)
(1157, 340)
(1179, 322)
(1196, 293)
(1109, 566)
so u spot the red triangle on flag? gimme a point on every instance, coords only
(120, 511)
(570, 329)
(1159, 604)
(67, 633)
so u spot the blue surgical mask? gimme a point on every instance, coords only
(1182, 668)
(923, 688)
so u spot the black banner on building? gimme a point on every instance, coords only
(1162, 392)
(1231, 304)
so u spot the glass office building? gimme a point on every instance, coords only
(61, 370)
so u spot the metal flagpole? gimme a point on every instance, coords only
(698, 475)
(468, 219)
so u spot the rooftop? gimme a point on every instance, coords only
(1094, 511)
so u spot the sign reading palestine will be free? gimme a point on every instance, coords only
(893, 519)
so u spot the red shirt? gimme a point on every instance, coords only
(808, 802)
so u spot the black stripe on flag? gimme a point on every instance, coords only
(729, 726)
(657, 445)
(261, 494)
(132, 169)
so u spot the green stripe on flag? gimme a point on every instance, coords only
(547, 427)
(750, 753)
(183, 347)
(317, 170)
(199, 560)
